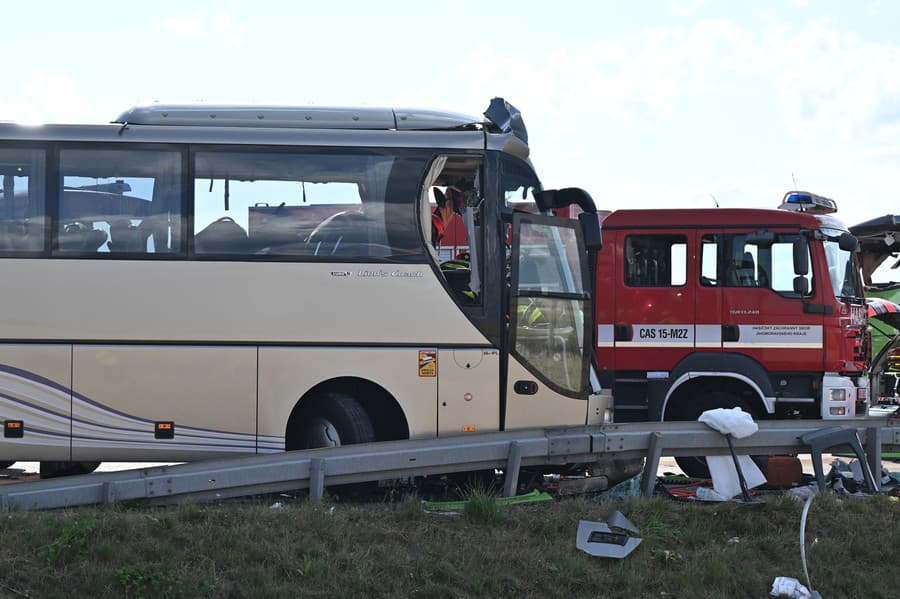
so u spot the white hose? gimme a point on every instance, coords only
(806, 505)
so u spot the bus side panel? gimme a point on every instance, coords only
(468, 398)
(35, 385)
(121, 393)
(286, 374)
(543, 408)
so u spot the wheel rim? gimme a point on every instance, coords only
(321, 432)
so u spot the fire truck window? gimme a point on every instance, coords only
(655, 260)
(768, 267)
(709, 261)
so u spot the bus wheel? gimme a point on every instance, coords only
(335, 419)
(55, 469)
(695, 466)
(4, 465)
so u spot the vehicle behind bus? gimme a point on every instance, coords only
(706, 308)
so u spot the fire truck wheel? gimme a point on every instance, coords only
(5, 465)
(335, 419)
(695, 466)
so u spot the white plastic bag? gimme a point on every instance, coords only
(730, 421)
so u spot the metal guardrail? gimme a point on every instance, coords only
(313, 469)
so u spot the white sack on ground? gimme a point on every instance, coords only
(725, 479)
(730, 421)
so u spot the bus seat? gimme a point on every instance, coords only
(125, 237)
(223, 236)
(742, 273)
(77, 237)
(342, 234)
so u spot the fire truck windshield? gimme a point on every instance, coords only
(842, 269)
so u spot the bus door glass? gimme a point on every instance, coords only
(549, 323)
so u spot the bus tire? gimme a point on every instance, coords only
(335, 419)
(4, 465)
(695, 466)
(55, 469)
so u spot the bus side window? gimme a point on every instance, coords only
(119, 201)
(22, 200)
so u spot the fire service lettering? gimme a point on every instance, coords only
(673, 333)
(661, 334)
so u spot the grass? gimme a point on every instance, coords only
(396, 549)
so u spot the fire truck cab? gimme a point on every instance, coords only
(707, 308)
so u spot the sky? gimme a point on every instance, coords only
(658, 103)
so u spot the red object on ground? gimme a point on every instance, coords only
(784, 471)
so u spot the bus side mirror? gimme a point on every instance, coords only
(848, 242)
(801, 258)
(550, 199)
(590, 230)
(801, 286)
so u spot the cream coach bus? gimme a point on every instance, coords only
(193, 282)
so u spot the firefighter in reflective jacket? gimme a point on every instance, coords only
(531, 315)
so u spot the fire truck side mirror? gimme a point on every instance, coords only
(848, 242)
(590, 230)
(801, 286)
(801, 258)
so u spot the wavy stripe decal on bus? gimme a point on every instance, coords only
(44, 405)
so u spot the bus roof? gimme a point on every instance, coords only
(500, 129)
(679, 218)
(299, 117)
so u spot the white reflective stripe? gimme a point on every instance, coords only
(771, 345)
(605, 335)
(672, 344)
(709, 335)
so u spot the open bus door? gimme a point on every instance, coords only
(550, 323)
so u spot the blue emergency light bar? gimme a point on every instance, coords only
(803, 201)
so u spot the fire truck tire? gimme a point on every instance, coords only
(695, 466)
(56, 469)
(335, 419)
(5, 465)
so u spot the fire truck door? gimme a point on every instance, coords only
(762, 317)
(654, 320)
(708, 306)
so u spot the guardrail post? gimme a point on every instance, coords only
(108, 494)
(316, 479)
(654, 452)
(511, 474)
(873, 454)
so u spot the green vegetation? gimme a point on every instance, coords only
(397, 549)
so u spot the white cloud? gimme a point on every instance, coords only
(685, 8)
(52, 96)
(222, 26)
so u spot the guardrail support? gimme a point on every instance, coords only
(511, 474)
(651, 465)
(873, 454)
(316, 480)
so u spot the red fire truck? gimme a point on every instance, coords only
(705, 308)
